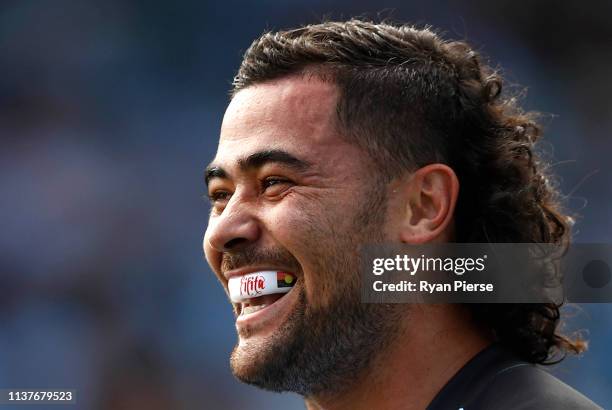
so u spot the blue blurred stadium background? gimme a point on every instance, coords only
(110, 109)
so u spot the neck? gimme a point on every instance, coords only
(415, 367)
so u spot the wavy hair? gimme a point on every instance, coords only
(410, 98)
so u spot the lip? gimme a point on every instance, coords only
(247, 270)
(273, 314)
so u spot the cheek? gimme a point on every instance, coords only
(311, 235)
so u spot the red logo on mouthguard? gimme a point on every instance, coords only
(252, 285)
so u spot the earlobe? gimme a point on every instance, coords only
(432, 193)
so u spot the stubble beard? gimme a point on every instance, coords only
(323, 349)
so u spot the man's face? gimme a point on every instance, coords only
(290, 194)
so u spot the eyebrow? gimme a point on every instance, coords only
(258, 160)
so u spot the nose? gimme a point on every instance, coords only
(234, 228)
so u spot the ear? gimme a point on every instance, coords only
(431, 195)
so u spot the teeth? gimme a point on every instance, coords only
(251, 309)
(257, 304)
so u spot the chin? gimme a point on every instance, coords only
(261, 361)
(264, 360)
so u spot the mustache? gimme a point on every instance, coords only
(254, 256)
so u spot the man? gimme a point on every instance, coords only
(348, 133)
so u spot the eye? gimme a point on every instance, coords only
(218, 196)
(275, 185)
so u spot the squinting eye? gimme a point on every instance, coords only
(218, 196)
(275, 185)
(273, 181)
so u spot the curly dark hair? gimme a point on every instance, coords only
(410, 98)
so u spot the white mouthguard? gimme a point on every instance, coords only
(256, 284)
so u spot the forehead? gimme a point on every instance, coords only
(294, 114)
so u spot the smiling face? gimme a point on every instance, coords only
(290, 194)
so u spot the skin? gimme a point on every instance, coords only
(308, 220)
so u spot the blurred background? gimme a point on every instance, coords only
(109, 111)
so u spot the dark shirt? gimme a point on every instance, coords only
(497, 379)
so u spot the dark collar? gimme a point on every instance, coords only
(474, 377)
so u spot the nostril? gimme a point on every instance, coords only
(234, 243)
